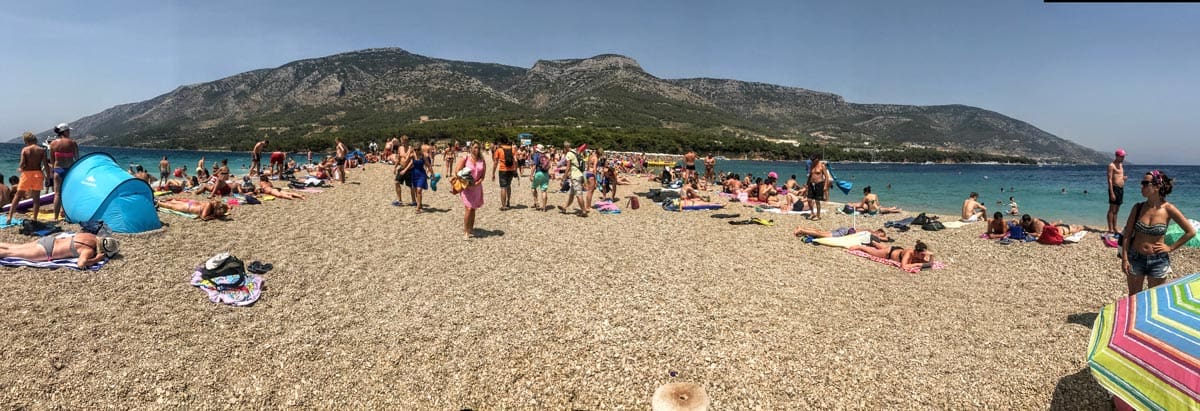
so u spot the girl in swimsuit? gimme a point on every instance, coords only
(265, 187)
(1144, 252)
(206, 210)
(87, 248)
(908, 258)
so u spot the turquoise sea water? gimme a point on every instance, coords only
(915, 187)
(941, 188)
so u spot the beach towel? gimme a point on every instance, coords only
(953, 224)
(244, 295)
(178, 213)
(310, 190)
(845, 241)
(1074, 238)
(15, 222)
(936, 265)
(780, 211)
(899, 223)
(72, 263)
(1110, 240)
(606, 207)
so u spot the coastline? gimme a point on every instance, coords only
(371, 305)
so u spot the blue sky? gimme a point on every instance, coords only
(1102, 75)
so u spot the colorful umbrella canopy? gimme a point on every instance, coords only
(1145, 349)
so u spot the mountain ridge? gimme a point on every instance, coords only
(306, 99)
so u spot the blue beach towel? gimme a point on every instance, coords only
(71, 263)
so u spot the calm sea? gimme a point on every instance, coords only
(934, 188)
(1075, 194)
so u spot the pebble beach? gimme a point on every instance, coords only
(371, 305)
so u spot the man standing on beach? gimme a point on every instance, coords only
(339, 159)
(1116, 188)
(689, 164)
(256, 156)
(164, 172)
(816, 186)
(504, 160)
(709, 164)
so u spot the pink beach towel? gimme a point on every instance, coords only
(936, 265)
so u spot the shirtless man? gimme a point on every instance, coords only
(63, 153)
(972, 209)
(689, 164)
(32, 168)
(816, 186)
(256, 156)
(164, 171)
(340, 159)
(709, 164)
(1116, 188)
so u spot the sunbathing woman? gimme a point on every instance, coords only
(908, 258)
(88, 248)
(870, 204)
(207, 210)
(265, 187)
(689, 195)
(878, 236)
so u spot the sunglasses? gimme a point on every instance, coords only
(1146, 183)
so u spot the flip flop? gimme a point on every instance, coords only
(258, 267)
(760, 221)
(723, 215)
(741, 222)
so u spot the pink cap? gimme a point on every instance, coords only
(1120, 152)
(772, 175)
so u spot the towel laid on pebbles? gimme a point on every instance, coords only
(245, 294)
(607, 207)
(936, 265)
(72, 263)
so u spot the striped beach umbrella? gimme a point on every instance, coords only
(1145, 348)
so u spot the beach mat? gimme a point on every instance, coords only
(1075, 238)
(15, 222)
(178, 213)
(779, 211)
(71, 263)
(246, 294)
(845, 241)
(936, 265)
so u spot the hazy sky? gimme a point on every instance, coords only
(1102, 75)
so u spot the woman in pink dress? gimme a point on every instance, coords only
(472, 196)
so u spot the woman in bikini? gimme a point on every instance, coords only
(870, 204)
(207, 210)
(87, 248)
(265, 187)
(63, 153)
(908, 258)
(1144, 252)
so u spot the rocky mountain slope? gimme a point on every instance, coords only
(320, 96)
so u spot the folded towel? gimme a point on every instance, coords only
(72, 263)
(936, 265)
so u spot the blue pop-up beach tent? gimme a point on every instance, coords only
(97, 189)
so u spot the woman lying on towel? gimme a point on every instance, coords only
(207, 210)
(908, 258)
(265, 187)
(88, 248)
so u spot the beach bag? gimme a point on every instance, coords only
(224, 265)
(458, 184)
(634, 204)
(1050, 236)
(920, 220)
(1016, 232)
(847, 209)
(933, 226)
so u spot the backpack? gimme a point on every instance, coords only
(508, 156)
(920, 220)
(542, 162)
(231, 266)
(933, 226)
(1016, 232)
(1050, 236)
